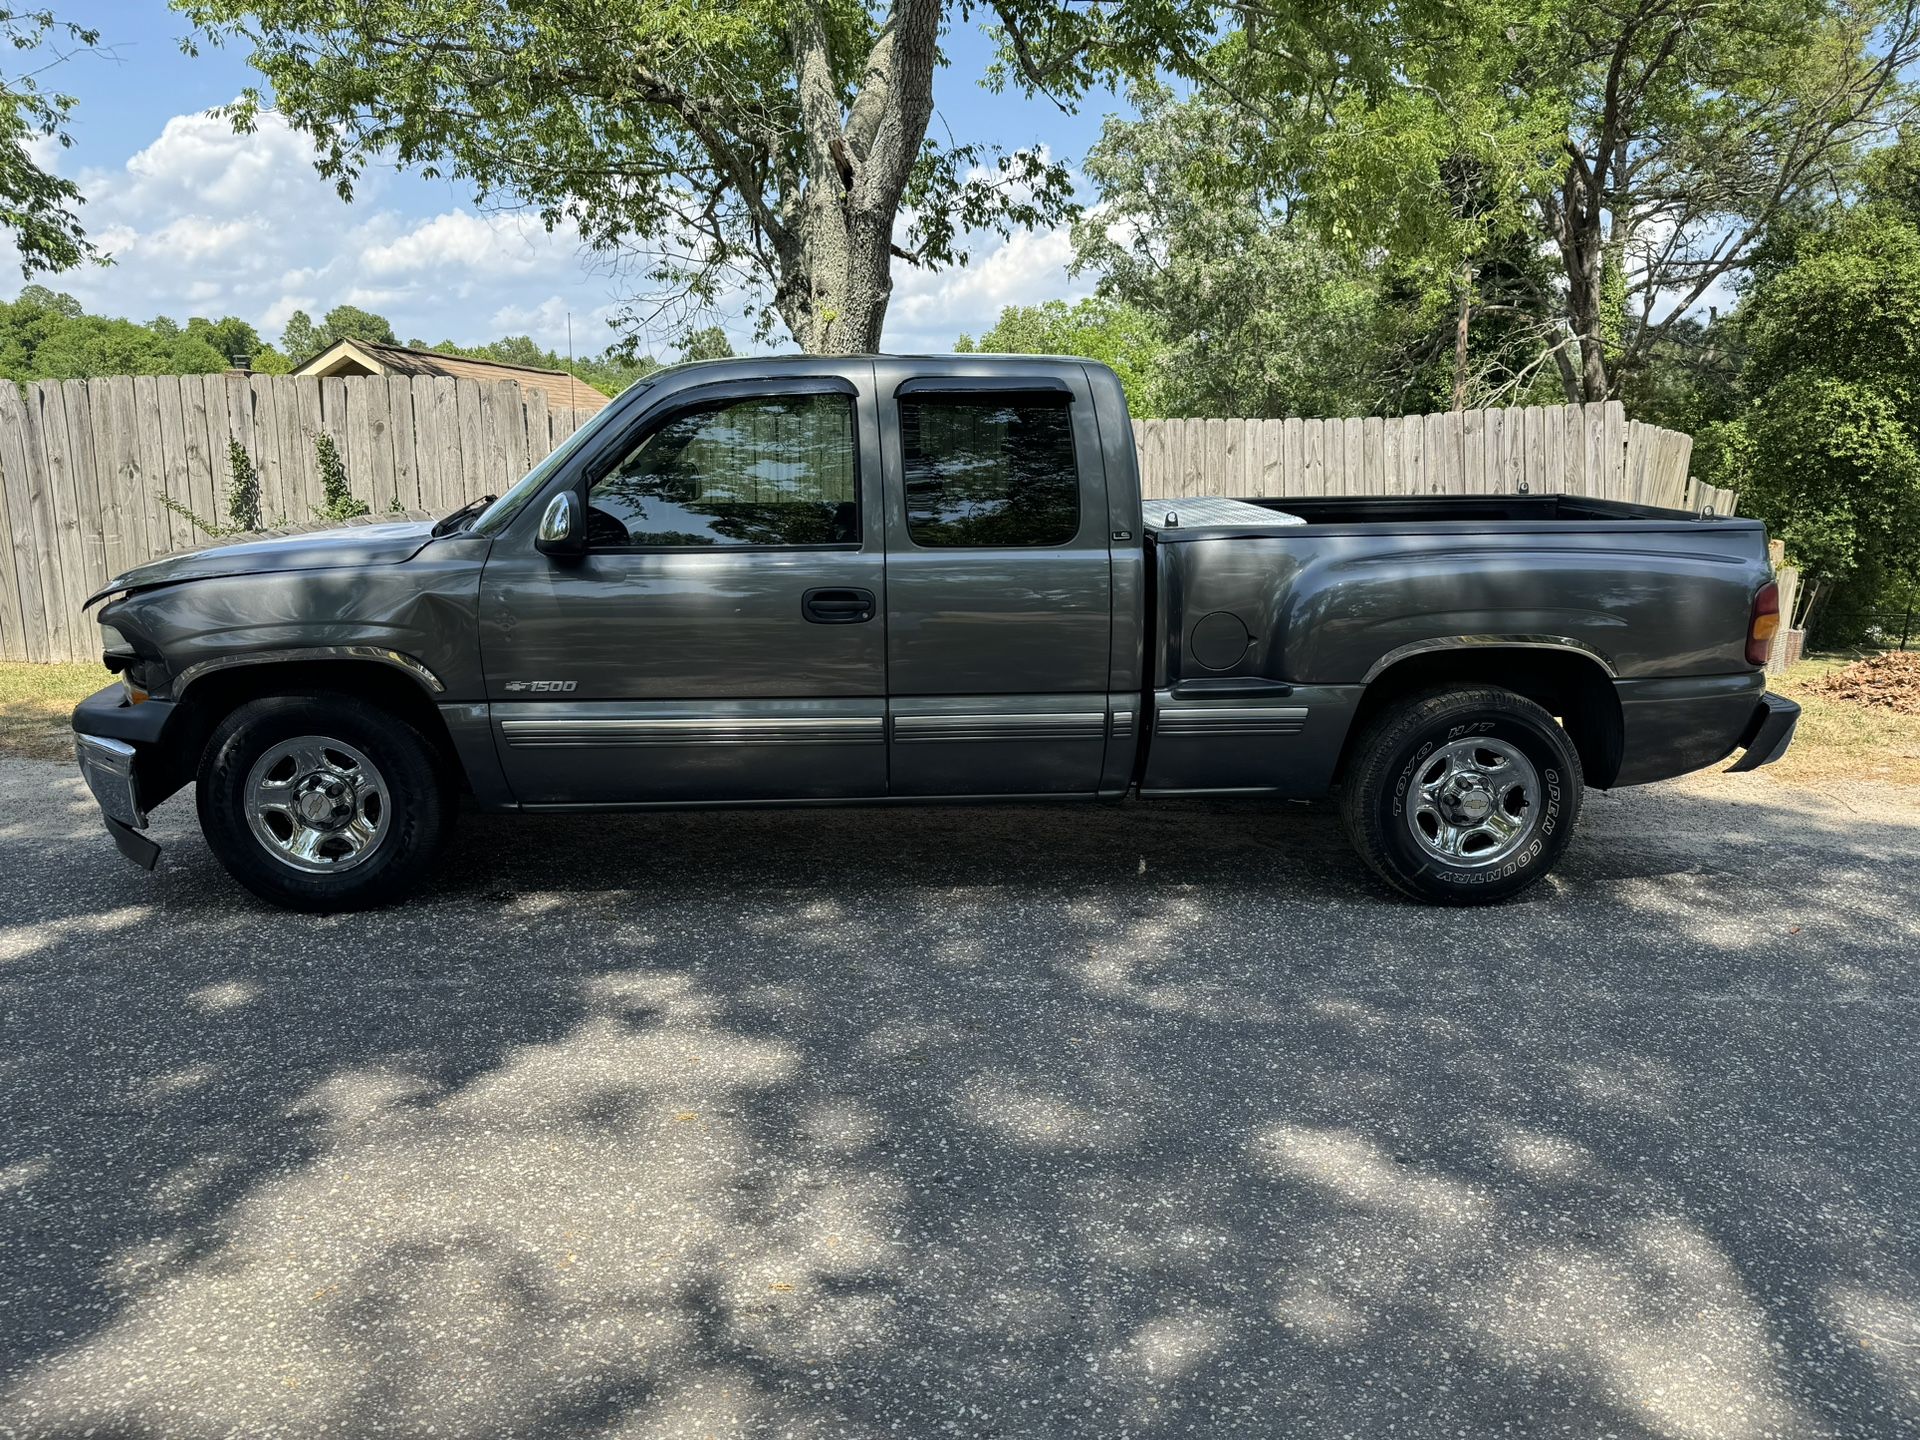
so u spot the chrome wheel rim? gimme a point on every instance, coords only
(317, 804)
(1473, 802)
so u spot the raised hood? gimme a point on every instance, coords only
(351, 546)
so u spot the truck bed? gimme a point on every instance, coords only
(1215, 517)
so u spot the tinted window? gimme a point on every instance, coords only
(774, 470)
(990, 471)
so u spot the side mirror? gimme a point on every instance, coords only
(561, 534)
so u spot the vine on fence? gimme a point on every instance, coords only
(339, 503)
(243, 499)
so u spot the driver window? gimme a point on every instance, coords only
(771, 470)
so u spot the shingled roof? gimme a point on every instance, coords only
(366, 357)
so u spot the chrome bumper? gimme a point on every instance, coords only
(108, 767)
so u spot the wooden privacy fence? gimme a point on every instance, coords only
(84, 464)
(1591, 450)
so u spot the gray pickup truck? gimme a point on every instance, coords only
(896, 580)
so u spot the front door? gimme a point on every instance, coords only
(724, 638)
(999, 583)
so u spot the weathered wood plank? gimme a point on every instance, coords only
(51, 491)
(117, 452)
(474, 472)
(23, 620)
(1615, 441)
(1473, 452)
(370, 435)
(81, 430)
(151, 481)
(202, 498)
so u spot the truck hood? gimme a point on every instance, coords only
(349, 546)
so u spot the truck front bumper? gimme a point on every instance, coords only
(1769, 732)
(112, 741)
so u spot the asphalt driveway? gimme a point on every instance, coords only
(985, 1123)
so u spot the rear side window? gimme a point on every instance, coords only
(771, 470)
(985, 470)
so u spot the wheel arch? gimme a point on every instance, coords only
(206, 694)
(1570, 681)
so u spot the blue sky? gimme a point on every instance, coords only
(204, 222)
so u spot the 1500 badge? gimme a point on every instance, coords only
(542, 687)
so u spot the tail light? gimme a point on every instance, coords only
(1764, 623)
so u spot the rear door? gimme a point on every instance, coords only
(999, 580)
(724, 638)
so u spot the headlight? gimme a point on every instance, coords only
(113, 643)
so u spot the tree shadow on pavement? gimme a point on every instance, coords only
(1019, 1122)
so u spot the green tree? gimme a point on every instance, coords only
(775, 141)
(37, 206)
(300, 339)
(1652, 144)
(48, 336)
(1259, 316)
(230, 337)
(708, 343)
(1100, 328)
(1827, 450)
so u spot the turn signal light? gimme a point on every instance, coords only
(1764, 624)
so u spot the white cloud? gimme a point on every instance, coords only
(931, 309)
(461, 240)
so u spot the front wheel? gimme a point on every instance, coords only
(321, 802)
(1462, 796)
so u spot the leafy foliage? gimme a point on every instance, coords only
(302, 339)
(1827, 448)
(47, 336)
(338, 502)
(770, 143)
(37, 206)
(243, 488)
(1650, 146)
(1259, 313)
(1099, 328)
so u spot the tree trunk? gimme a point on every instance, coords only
(836, 261)
(1460, 340)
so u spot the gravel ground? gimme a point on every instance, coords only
(1027, 1122)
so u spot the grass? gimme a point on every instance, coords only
(1841, 739)
(35, 703)
(1837, 739)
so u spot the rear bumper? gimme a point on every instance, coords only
(1768, 734)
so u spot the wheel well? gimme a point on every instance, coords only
(1569, 686)
(210, 699)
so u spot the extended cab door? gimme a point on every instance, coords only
(999, 582)
(724, 636)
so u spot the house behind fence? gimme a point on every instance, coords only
(84, 465)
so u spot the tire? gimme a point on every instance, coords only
(1463, 796)
(381, 809)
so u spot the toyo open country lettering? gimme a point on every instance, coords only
(814, 580)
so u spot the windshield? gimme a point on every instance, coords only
(495, 517)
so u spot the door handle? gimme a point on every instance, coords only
(837, 607)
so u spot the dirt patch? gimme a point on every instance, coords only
(1891, 681)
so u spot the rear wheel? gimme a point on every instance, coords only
(321, 802)
(1462, 796)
